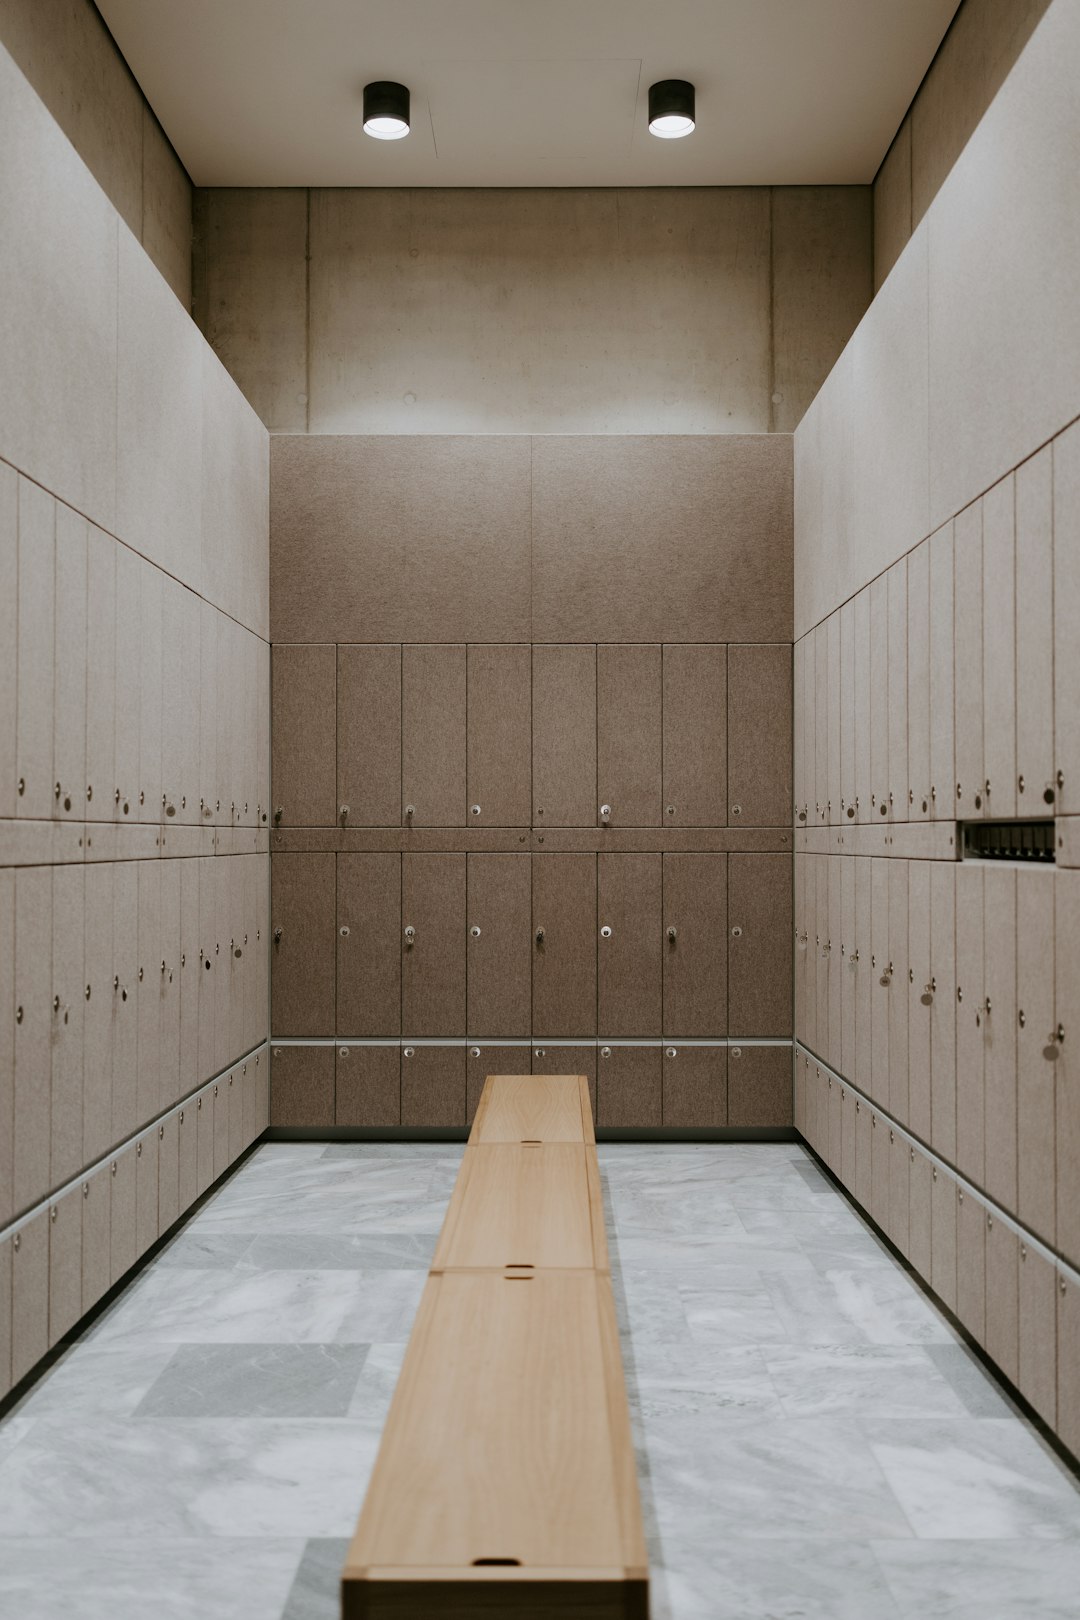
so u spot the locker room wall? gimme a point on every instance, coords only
(134, 748)
(937, 681)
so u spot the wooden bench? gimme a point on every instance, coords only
(505, 1481)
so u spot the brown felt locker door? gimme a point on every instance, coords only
(629, 1090)
(968, 660)
(97, 1018)
(999, 648)
(918, 679)
(1035, 634)
(970, 1045)
(499, 945)
(759, 932)
(629, 775)
(433, 1085)
(369, 736)
(564, 945)
(302, 1083)
(368, 1088)
(564, 736)
(303, 736)
(499, 736)
(1067, 1066)
(433, 954)
(999, 1029)
(69, 1003)
(1037, 1180)
(488, 1059)
(695, 945)
(302, 989)
(759, 1086)
(759, 735)
(695, 1086)
(433, 736)
(629, 955)
(368, 945)
(695, 736)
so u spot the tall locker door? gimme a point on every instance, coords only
(148, 994)
(1066, 455)
(9, 655)
(799, 936)
(564, 736)
(943, 1221)
(809, 688)
(1036, 1054)
(433, 1085)
(920, 999)
(98, 1010)
(302, 931)
(898, 692)
(879, 698)
(629, 954)
(234, 950)
(303, 736)
(759, 735)
(68, 1009)
(848, 966)
(1066, 1029)
(169, 984)
(7, 1045)
(944, 1008)
(824, 956)
(191, 610)
(101, 552)
(69, 688)
(369, 736)
(499, 732)
(759, 961)
(968, 660)
(862, 974)
(629, 1088)
(695, 736)
(150, 595)
(798, 734)
(629, 775)
(880, 981)
(250, 814)
(970, 1043)
(1035, 634)
(262, 659)
(918, 678)
(36, 675)
(694, 945)
(999, 648)
(254, 1029)
(971, 1264)
(898, 990)
(834, 814)
(694, 1081)
(822, 721)
(433, 945)
(847, 712)
(128, 710)
(368, 953)
(190, 987)
(368, 1086)
(499, 948)
(942, 676)
(836, 960)
(125, 1020)
(29, 1295)
(433, 736)
(813, 948)
(564, 945)
(861, 672)
(999, 1027)
(173, 699)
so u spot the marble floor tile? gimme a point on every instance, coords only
(383, 1251)
(731, 1307)
(204, 1251)
(377, 1382)
(88, 1381)
(981, 1395)
(888, 1306)
(778, 1580)
(693, 1379)
(255, 1380)
(315, 1592)
(885, 1380)
(240, 1307)
(1007, 1580)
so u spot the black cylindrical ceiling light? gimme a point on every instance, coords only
(671, 109)
(386, 110)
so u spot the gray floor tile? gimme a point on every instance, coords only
(256, 1380)
(316, 1591)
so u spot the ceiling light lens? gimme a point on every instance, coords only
(385, 129)
(671, 126)
(671, 109)
(386, 110)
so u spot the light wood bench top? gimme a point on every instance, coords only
(516, 1205)
(533, 1107)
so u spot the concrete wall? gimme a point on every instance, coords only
(532, 311)
(68, 55)
(937, 681)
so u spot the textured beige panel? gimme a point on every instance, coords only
(1034, 634)
(149, 808)
(921, 999)
(880, 991)
(125, 794)
(5, 1316)
(799, 729)
(848, 1119)
(65, 1264)
(695, 736)
(69, 1002)
(826, 697)
(70, 665)
(175, 703)
(222, 1108)
(499, 957)
(97, 1011)
(864, 711)
(629, 1086)
(390, 538)
(1067, 1067)
(1000, 885)
(1034, 952)
(262, 656)
(807, 814)
(304, 736)
(823, 954)
(898, 990)
(694, 1086)
(1037, 1380)
(848, 967)
(899, 809)
(800, 936)
(899, 1192)
(999, 648)
(970, 1014)
(759, 734)
(204, 1126)
(892, 204)
(695, 912)
(36, 670)
(9, 622)
(917, 798)
(1066, 524)
(96, 1193)
(167, 972)
(433, 1085)
(863, 973)
(29, 1295)
(826, 573)
(499, 735)
(879, 698)
(564, 945)
(920, 1218)
(943, 1238)
(847, 714)
(968, 704)
(879, 1173)
(190, 972)
(863, 1153)
(302, 1085)
(100, 675)
(759, 958)
(187, 1175)
(971, 1265)
(369, 735)
(7, 1042)
(1002, 1296)
(146, 1191)
(812, 949)
(148, 994)
(33, 1020)
(302, 964)
(368, 1086)
(166, 209)
(168, 1172)
(629, 955)
(993, 403)
(759, 1086)
(433, 733)
(629, 735)
(564, 736)
(125, 948)
(433, 958)
(943, 1013)
(235, 502)
(724, 509)
(836, 963)
(123, 1209)
(1068, 1362)
(942, 676)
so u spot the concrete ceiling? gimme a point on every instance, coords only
(529, 92)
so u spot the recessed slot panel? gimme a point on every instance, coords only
(1026, 841)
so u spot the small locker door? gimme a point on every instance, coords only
(999, 1028)
(499, 948)
(69, 714)
(368, 954)
(999, 648)
(920, 999)
(628, 735)
(187, 807)
(968, 661)
(810, 901)
(629, 955)
(879, 698)
(898, 990)
(942, 676)
(433, 736)
(759, 960)
(695, 945)
(564, 945)
(174, 700)
(847, 712)
(695, 736)
(302, 1085)
(918, 677)
(98, 1010)
(694, 1086)
(148, 995)
(499, 753)
(1066, 454)
(369, 1085)
(629, 1090)
(9, 648)
(433, 945)
(970, 1042)
(759, 736)
(369, 736)
(759, 1086)
(1035, 635)
(303, 736)
(433, 1085)
(1036, 1053)
(899, 809)
(302, 991)
(68, 1004)
(509, 1058)
(861, 661)
(100, 674)
(944, 1008)
(1066, 1067)
(880, 981)
(565, 1057)
(210, 695)
(564, 736)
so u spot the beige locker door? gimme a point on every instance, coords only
(629, 949)
(899, 808)
(918, 679)
(1039, 1321)
(254, 962)
(485, 1059)
(148, 993)
(36, 674)
(369, 735)
(879, 698)
(999, 648)
(863, 1153)
(9, 654)
(943, 1238)
(188, 978)
(813, 948)
(499, 733)
(920, 999)
(168, 976)
(228, 716)
(822, 723)
(100, 675)
(433, 736)
(68, 1009)
(759, 734)
(29, 1295)
(695, 906)
(209, 960)
(187, 1138)
(128, 708)
(1036, 1167)
(96, 1193)
(168, 1172)
(230, 984)
(7, 1043)
(845, 973)
(150, 701)
(499, 945)
(899, 1193)
(971, 1265)
(302, 970)
(629, 740)
(69, 671)
(968, 662)
(433, 954)
(880, 981)
(368, 1089)
(898, 990)
(629, 1086)
(799, 949)
(33, 1031)
(368, 957)
(847, 712)
(1068, 1362)
(880, 1158)
(252, 658)
(810, 728)
(920, 1245)
(1066, 454)
(122, 1247)
(234, 1090)
(263, 743)
(1035, 634)
(146, 1191)
(970, 1013)
(834, 1152)
(209, 619)
(695, 741)
(999, 1027)
(302, 1082)
(944, 1009)
(862, 671)
(433, 1085)
(694, 1087)
(98, 1014)
(759, 1086)
(798, 736)
(942, 676)
(836, 961)
(862, 974)
(204, 1113)
(823, 924)
(303, 736)
(1067, 1066)
(174, 699)
(847, 1137)
(564, 736)
(759, 957)
(187, 807)
(1002, 1303)
(564, 945)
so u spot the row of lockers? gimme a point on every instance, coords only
(123, 695)
(510, 945)
(58, 1264)
(949, 687)
(1020, 1307)
(643, 1086)
(513, 736)
(949, 993)
(123, 985)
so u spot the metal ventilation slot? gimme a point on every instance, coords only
(1009, 841)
